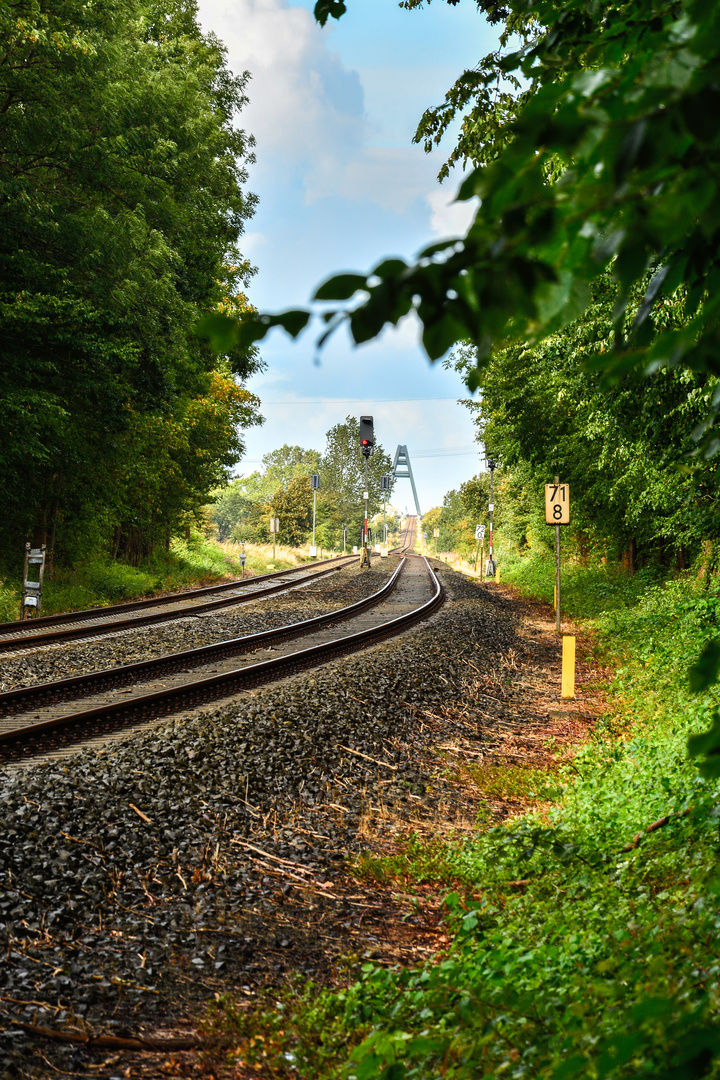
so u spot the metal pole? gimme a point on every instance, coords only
(314, 504)
(367, 492)
(491, 567)
(477, 552)
(365, 559)
(557, 573)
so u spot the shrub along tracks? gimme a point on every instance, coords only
(212, 854)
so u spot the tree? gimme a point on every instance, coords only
(607, 159)
(342, 482)
(623, 449)
(242, 506)
(293, 506)
(287, 464)
(122, 178)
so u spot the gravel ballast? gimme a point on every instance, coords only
(140, 881)
(60, 661)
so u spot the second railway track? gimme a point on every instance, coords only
(114, 619)
(37, 719)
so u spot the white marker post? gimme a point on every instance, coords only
(274, 529)
(480, 537)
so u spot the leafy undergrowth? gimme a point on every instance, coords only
(585, 944)
(99, 581)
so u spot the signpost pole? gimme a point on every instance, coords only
(557, 573)
(480, 537)
(491, 508)
(557, 513)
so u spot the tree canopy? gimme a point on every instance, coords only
(595, 147)
(122, 203)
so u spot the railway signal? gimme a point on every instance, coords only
(32, 589)
(367, 436)
(367, 441)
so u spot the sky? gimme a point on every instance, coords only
(341, 186)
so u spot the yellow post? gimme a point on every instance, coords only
(554, 597)
(497, 574)
(568, 666)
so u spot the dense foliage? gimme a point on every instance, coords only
(121, 205)
(626, 450)
(608, 158)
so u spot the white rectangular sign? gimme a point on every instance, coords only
(479, 532)
(557, 504)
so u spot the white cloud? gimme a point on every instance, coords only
(393, 177)
(447, 217)
(304, 104)
(253, 242)
(307, 110)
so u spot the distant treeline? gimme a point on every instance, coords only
(243, 509)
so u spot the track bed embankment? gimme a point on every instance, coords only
(211, 853)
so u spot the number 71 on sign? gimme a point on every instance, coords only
(557, 504)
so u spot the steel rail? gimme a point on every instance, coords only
(159, 601)
(28, 740)
(97, 629)
(25, 698)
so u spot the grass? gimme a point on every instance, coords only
(605, 963)
(99, 581)
(260, 558)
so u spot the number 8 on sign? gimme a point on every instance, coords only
(557, 504)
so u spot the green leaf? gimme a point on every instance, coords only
(390, 268)
(292, 321)
(704, 671)
(341, 287)
(442, 335)
(326, 8)
(222, 331)
(706, 746)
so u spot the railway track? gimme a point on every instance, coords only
(36, 719)
(95, 622)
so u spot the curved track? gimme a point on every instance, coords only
(51, 727)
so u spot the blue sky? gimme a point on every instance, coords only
(340, 184)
